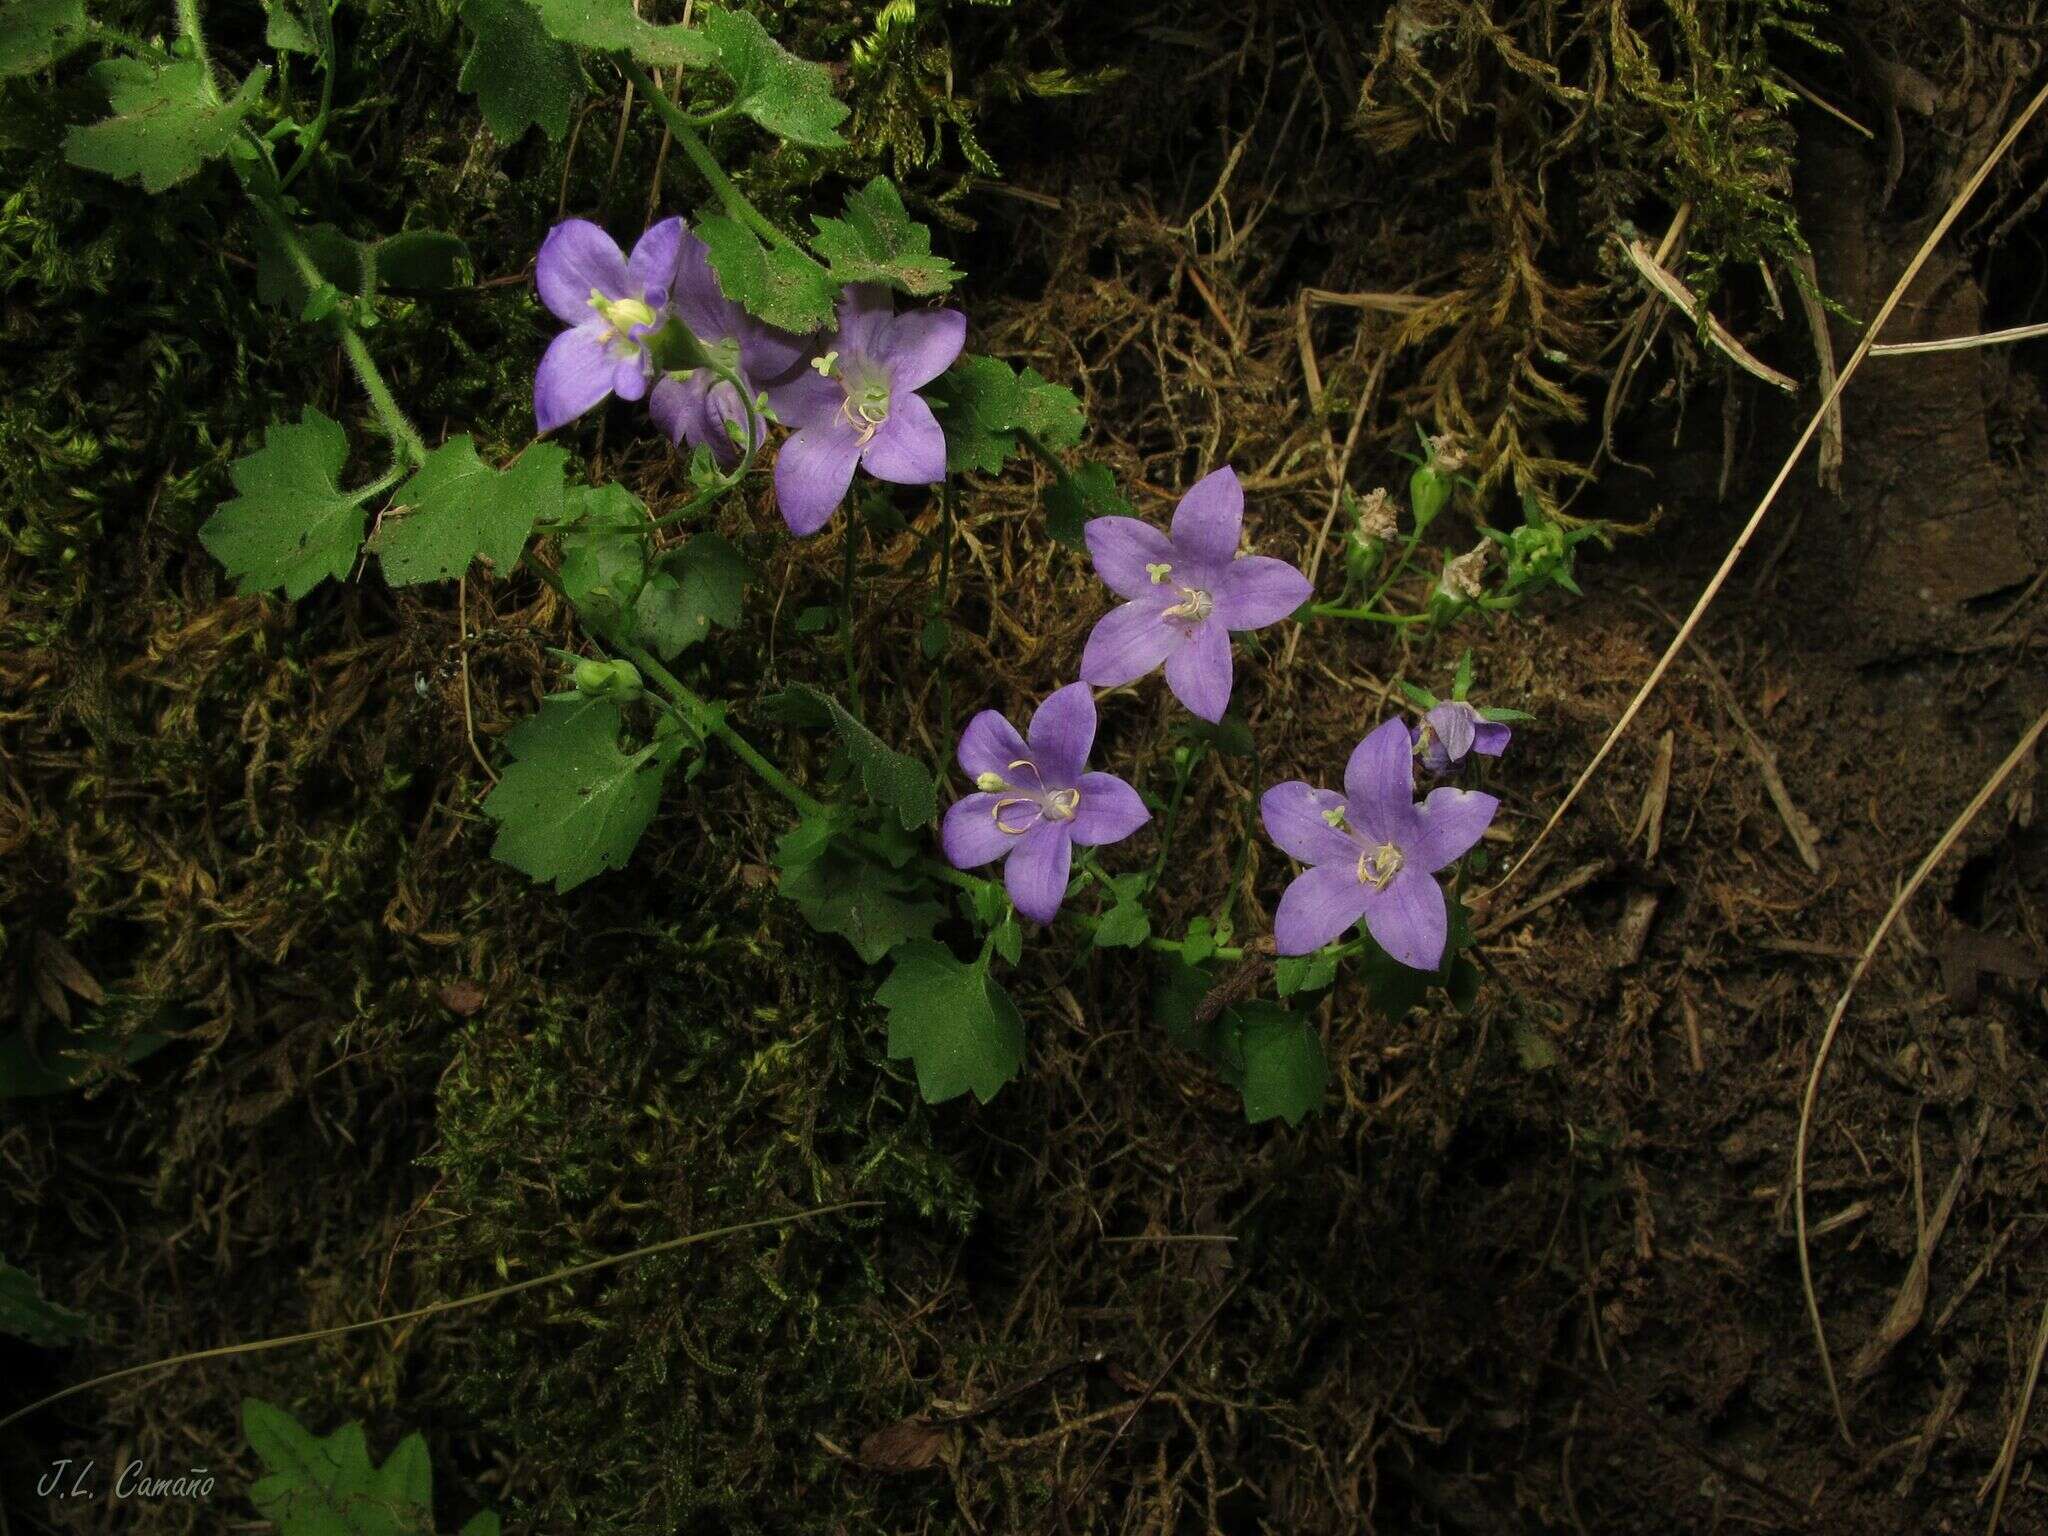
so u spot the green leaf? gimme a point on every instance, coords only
(611, 26)
(423, 261)
(1284, 1070)
(956, 1024)
(292, 525)
(456, 508)
(840, 891)
(779, 284)
(790, 97)
(890, 778)
(572, 805)
(1124, 926)
(326, 1485)
(1536, 1051)
(483, 1523)
(167, 123)
(602, 570)
(1089, 491)
(286, 33)
(522, 78)
(337, 258)
(935, 637)
(1304, 973)
(879, 242)
(984, 404)
(34, 34)
(700, 586)
(1008, 940)
(25, 1314)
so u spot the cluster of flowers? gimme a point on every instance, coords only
(655, 326)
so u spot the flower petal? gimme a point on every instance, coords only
(807, 399)
(1126, 643)
(651, 269)
(969, 833)
(1123, 547)
(1490, 738)
(575, 373)
(812, 473)
(1198, 672)
(1259, 590)
(1318, 907)
(1036, 874)
(1061, 732)
(695, 295)
(865, 310)
(910, 447)
(1209, 519)
(989, 745)
(576, 257)
(917, 347)
(1452, 723)
(1379, 784)
(677, 406)
(1110, 810)
(1449, 823)
(1294, 814)
(629, 377)
(769, 356)
(1409, 919)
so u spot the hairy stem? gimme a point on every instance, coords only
(684, 129)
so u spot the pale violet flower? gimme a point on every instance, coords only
(1034, 800)
(1184, 591)
(612, 304)
(1451, 730)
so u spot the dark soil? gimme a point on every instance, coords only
(1534, 1267)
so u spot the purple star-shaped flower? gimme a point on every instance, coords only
(612, 305)
(1185, 594)
(697, 406)
(1372, 852)
(857, 404)
(1451, 730)
(1033, 800)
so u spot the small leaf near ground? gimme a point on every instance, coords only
(25, 1314)
(35, 34)
(955, 1023)
(456, 508)
(522, 78)
(891, 778)
(292, 526)
(613, 26)
(700, 585)
(1284, 1070)
(168, 121)
(572, 804)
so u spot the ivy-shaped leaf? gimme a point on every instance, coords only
(879, 242)
(456, 508)
(790, 97)
(167, 123)
(1124, 926)
(612, 26)
(572, 804)
(1089, 491)
(699, 586)
(984, 405)
(326, 1485)
(292, 526)
(891, 779)
(522, 78)
(25, 1314)
(1284, 1070)
(603, 570)
(779, 283)
(840, 890)
(954, 1021)
(34, 34)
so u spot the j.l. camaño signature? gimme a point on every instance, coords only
(70, 1479)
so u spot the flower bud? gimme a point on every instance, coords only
(618, 681)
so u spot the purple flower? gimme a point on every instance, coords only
(1454, 728)
(1185, 593)
(1033, 802)
(695, 405)
(856, 404)
(612, 303)
(1372, 852)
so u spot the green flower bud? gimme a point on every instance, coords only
(593, 678)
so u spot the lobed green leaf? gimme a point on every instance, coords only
(572, 804)
(456, 508)
(954, 1022)
(521, 76)
(779, 284)
(879, 242)
(790, 97)
(34, 34)
(168, 121)
(291, 526)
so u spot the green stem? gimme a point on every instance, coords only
(1368, 614)
(1044, 454)
(685, 132)
(1172, 822)
(188, 25)
(396, 427)
(329, 65)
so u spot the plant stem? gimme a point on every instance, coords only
(396, 427)
(188, 25)
(708, 721)
(1369, 615)
(329, 66)
(684, 129)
